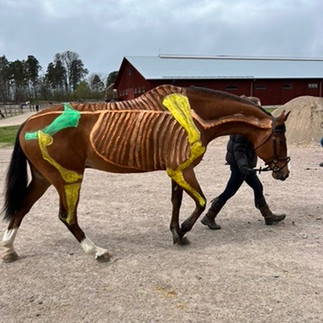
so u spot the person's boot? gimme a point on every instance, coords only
(270, 218)
(210, 215)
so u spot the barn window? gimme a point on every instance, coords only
(288, 86)
(231, 87)
(130, 71)
(312, 85)
(260, 87)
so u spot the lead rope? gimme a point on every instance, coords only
(260, 169)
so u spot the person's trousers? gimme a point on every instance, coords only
(235, 181)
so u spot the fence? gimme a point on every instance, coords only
(10, 110)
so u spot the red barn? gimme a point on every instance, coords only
(274, 80)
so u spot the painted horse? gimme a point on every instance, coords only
(167, 128)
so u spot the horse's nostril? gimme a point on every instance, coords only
(283, 177)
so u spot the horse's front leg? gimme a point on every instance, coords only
(177, 196)
(194, 190)
(186, 180)
(190, 221)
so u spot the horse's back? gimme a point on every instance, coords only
(149, 101)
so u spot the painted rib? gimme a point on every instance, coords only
(140, 140)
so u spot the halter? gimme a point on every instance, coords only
(273, 164)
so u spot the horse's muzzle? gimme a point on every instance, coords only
(281, 175)
(280, 171)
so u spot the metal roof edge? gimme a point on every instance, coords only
(232, 57)
(153, 78)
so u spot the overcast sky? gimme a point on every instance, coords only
(102, 32)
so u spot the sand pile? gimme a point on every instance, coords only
(305, 122)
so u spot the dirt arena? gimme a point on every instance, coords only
(246, 272)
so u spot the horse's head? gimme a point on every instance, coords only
(273, 150)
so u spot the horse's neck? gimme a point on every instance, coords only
(231, 116)
(233, 124)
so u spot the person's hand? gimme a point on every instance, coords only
(245, 170)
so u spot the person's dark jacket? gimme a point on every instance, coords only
(240, 153)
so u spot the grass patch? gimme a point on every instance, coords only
(270, 110)
(8, 135)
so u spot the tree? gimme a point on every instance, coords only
(111, 78)
(45, 91)
(74, 67)
(110, 81)
(83, 90)
(76, 73)
(32, 68)
(18, 78)
(4, 79)
(56, 76)
(96, 84)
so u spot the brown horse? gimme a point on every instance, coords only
(168, 128)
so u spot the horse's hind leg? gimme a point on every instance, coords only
(68, 182)
(69, 198)
(35, 190)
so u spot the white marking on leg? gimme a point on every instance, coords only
(9, 253)
(9, 237)
(91, 249)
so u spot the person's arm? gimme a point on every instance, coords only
(241, 156)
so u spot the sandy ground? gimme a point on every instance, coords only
(16, 120)
(245, 272)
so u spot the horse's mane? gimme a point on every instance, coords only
(228, 96)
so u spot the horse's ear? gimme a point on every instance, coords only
(282, 118)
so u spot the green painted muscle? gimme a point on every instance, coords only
(69, 118)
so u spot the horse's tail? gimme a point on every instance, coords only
(16, 181)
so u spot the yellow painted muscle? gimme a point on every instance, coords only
(72, 194)
(45, 140)
(70, 177)
(179, 107)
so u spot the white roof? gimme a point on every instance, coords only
(221, 67)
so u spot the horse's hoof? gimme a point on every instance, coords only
(184, 241)
(274, 219)
(179, 238)
(9, 256)
(176, 237)
(105, 257)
